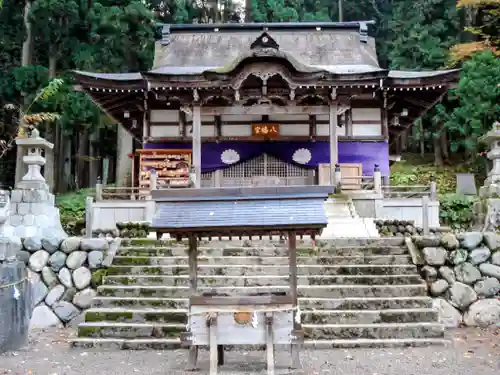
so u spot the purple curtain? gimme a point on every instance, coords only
(306, 154)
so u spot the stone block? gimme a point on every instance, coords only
(55, 294)
(44, 317)
(13, 208)
(70, 244)
(37, 208)
(462, 295)
(82, 278)
(39, 260)
(23, 208)
(89, 244)
(484, 313)
(83, 299)
(448, 315)
(65, 310)
(490, 270)
(16, 220)
(479, 255)
(41, 221)
(29, 220)
(466, 273)
(20, 231)
(488, 287)
(49, 277)
(16, 196)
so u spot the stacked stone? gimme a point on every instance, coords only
(397, 228)
(463, 274)
(61, 274)
(105, 233)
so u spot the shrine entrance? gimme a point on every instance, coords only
(260, 171)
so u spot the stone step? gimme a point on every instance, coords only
(368, 303)
(256, 260)
(337, 291)
(140, 302)
(311, 331)
(267, 280)
(371, 303)
(143, 315)
(179, 316)
(230, 270)
(373, 331)
(130, 330)
(169, 344)
(369, 316)
(125, 344)
(271, 251)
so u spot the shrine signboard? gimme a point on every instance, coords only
(266, 130)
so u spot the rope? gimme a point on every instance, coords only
(4, 286)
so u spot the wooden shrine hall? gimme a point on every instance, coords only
(234, 104)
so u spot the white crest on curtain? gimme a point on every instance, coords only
(302, 156)
(230, 156)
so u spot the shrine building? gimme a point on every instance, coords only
(239, 104)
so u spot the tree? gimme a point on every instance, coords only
(25, 121)
(485, 29)
(476, 101)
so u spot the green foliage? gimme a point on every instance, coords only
(455, 211)
(476, 102)
(423, 32)
(417, 171)
(72, 210)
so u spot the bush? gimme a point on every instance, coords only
(72, 210)
(456, 211)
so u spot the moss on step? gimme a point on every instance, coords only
(87, 331)
(305, 251)
(120, 316)
(98, 276)
(171, 317)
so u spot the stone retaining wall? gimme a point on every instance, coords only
(64, 276)
(463, 275)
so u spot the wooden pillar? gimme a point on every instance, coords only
(193, 283)
(334, 153)
(197, 144)
(292, 259)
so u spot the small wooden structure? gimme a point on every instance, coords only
(217, 320)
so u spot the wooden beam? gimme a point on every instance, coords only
(197, 144)
(312, 125)
(333, 140)
(341, 138)
(265, 109)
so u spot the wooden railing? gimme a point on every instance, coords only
(410, 191)
(121, 193)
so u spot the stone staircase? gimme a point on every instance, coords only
(344, 221)
(349, 296)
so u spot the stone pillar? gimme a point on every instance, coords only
(334, 156)
(123, 162)
(197, 145)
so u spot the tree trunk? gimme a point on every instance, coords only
(82, 152)
(26, 56)
(438, 155)
(248, 11)
(444, 146)
(422, 137)
(52, 66)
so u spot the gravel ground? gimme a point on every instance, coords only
(472, 352)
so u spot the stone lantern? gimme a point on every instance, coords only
(491, 185)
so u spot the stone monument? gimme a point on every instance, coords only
(491, 187)
(32, 209)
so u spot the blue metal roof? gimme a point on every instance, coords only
(271, 208)
(240, 213)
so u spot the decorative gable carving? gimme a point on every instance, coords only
(264, 41)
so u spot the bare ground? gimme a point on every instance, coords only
(471, 352)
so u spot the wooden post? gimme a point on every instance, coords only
(433, 189)
(193, 283)
(212, 325)
(425, 214)
(333, 140)
(152, 182)
(377, 179)
(88, 217)
(197, 144)
(269, 343)
(292, 258)
(98, 190)
(337, 178)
